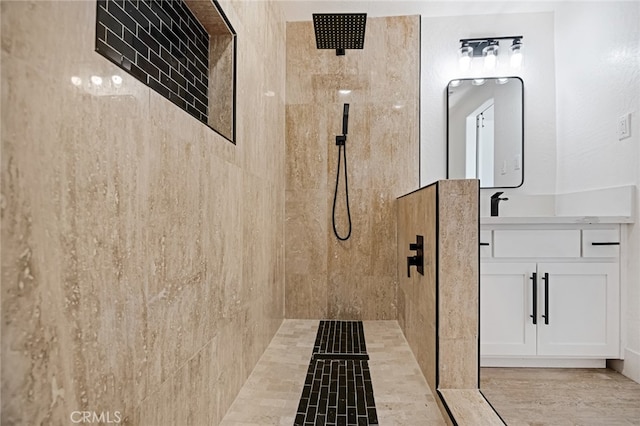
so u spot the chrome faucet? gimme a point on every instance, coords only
(495, 200)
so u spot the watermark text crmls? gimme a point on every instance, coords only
(107, 417)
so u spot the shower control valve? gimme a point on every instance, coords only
(418, 259)
(341, 139)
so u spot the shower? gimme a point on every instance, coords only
(339, 31)
(342, 153)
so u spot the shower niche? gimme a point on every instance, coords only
(183, 50)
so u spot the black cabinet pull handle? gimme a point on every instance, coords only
(605, 244)
(534, 277)
(484, 244)
(546, 298)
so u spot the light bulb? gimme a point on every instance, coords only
(490, 54)
(490, 61)
(516, 54)
(464, 60)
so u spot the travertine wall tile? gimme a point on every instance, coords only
(143, 254)
(458, 363)
(446, 347)
(459, 259)
(306, 148)
(382, 90)
(417, 216)
(307, 296)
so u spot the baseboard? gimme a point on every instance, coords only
(629, 367)
(543, 362)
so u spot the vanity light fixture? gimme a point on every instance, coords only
(488, 49)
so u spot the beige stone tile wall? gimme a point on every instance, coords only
(458, 283)
(142, 254)
(417, 215)
(438, 311)
(356, 279)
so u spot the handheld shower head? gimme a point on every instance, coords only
(345, 119)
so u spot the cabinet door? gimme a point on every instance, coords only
(582, 302)
(506, 303)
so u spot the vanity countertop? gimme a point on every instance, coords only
(526, 220)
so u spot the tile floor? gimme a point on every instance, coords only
(562, 396)
(523, 397)
(271, 395)
(337, 390)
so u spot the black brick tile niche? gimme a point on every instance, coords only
(160, 43)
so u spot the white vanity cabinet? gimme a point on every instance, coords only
(549, 295)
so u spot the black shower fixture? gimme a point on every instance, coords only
(339, 31)
(341, 142)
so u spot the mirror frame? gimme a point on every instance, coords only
(522, 130)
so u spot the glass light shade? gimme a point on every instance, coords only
(516, 54)
(464, 59)
(490, 54)
(490, 60)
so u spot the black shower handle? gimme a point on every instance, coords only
(418, 259)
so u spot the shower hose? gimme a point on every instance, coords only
(342, 152)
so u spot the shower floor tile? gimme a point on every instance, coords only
(340, 338)
(272, 393)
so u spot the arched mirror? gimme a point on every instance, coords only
(485, 136)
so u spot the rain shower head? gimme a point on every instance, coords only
(339, 31)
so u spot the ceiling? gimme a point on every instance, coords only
(301, 10)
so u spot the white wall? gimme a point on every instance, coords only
(598, 79)
(440, 43)
(581, 72)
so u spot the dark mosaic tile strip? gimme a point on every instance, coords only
(337, 392)
(338, 389)
(160, 43)
(340, 337)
